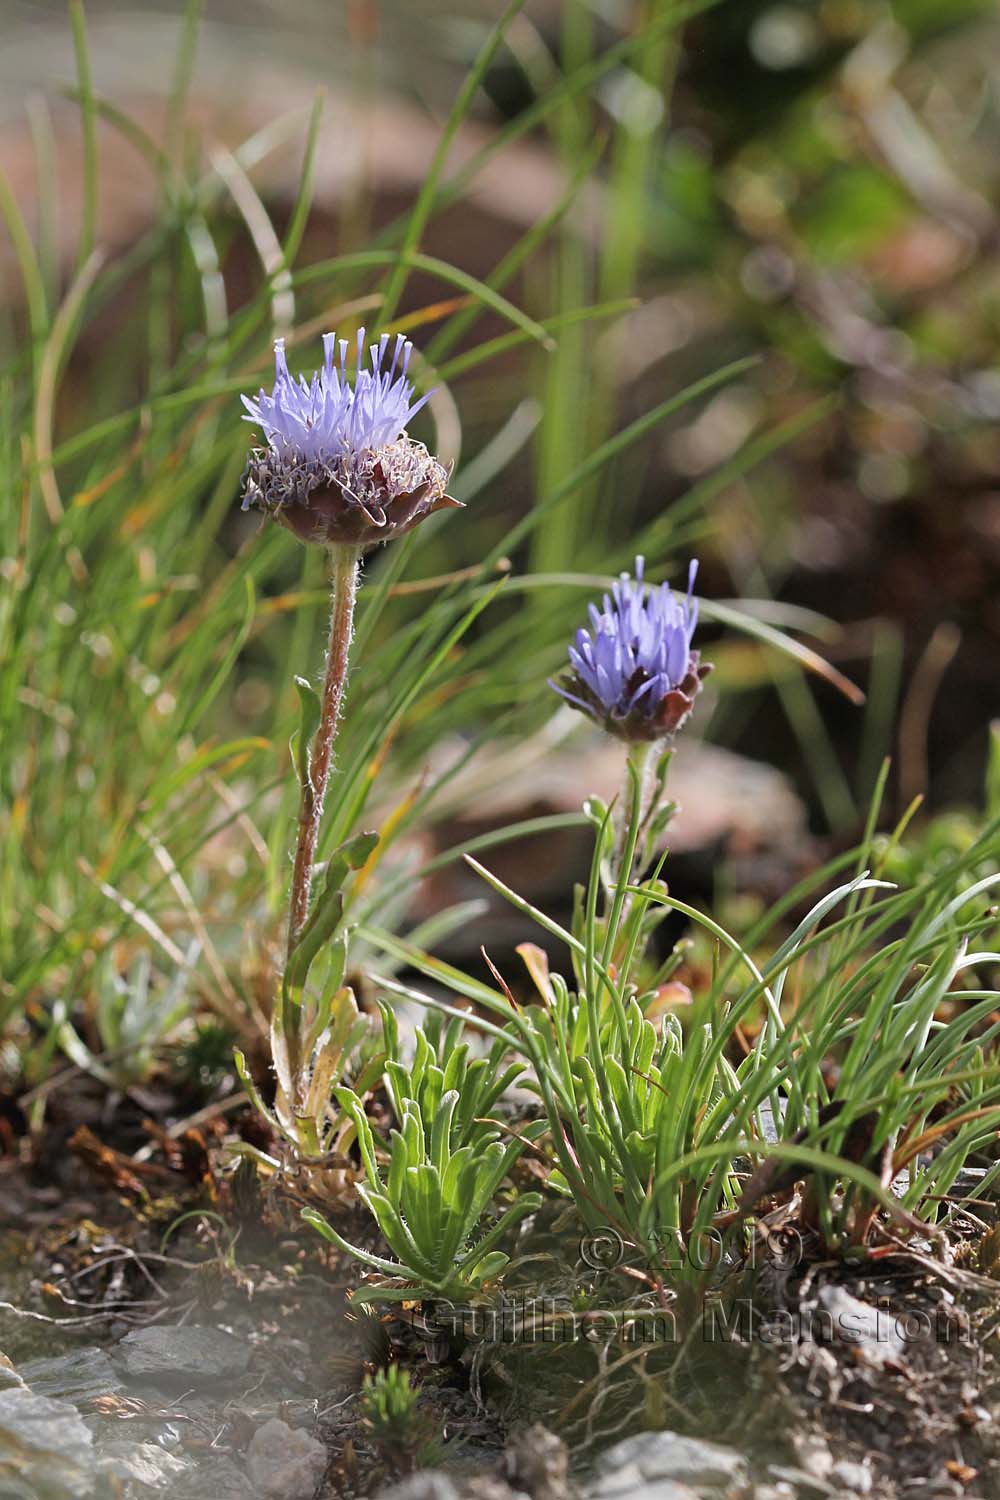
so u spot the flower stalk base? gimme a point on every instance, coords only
(641, 764)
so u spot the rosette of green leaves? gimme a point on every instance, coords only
(442, 1064)
(431, 1201)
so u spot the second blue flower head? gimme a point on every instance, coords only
(634, 670)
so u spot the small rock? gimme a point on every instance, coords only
(212, 1479)
(77, 1376)
(284, 1462)
(9, 1378)
(813, 1454)
(871, 1330)
(46, 1450)
(182, 1355)
(426, 1484)
(630, 1485)
(489, 1487)
(800, 1480)
(537, 1462)
(968, 1181)
(642, 1467)
(851, 1476)
(145, 1467)
(765, 1113)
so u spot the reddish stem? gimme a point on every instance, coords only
(344, 582)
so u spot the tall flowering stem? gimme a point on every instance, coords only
(339, 469)
(344, 586)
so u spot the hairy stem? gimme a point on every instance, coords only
(343, 584)
(643, 759)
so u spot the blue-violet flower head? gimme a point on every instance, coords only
(634, 671)
(339, 466)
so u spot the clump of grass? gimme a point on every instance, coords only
(849, 1072)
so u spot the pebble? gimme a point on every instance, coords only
(872, 1330)
(633, 1486)
(426, 1484)
(212, 1479)
(813, 1454)
(855, 1477)
(800, 1480)
(9, 1378)
(537, 1462)
(661, 1465)
(285, 1463)
(141, 1464)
